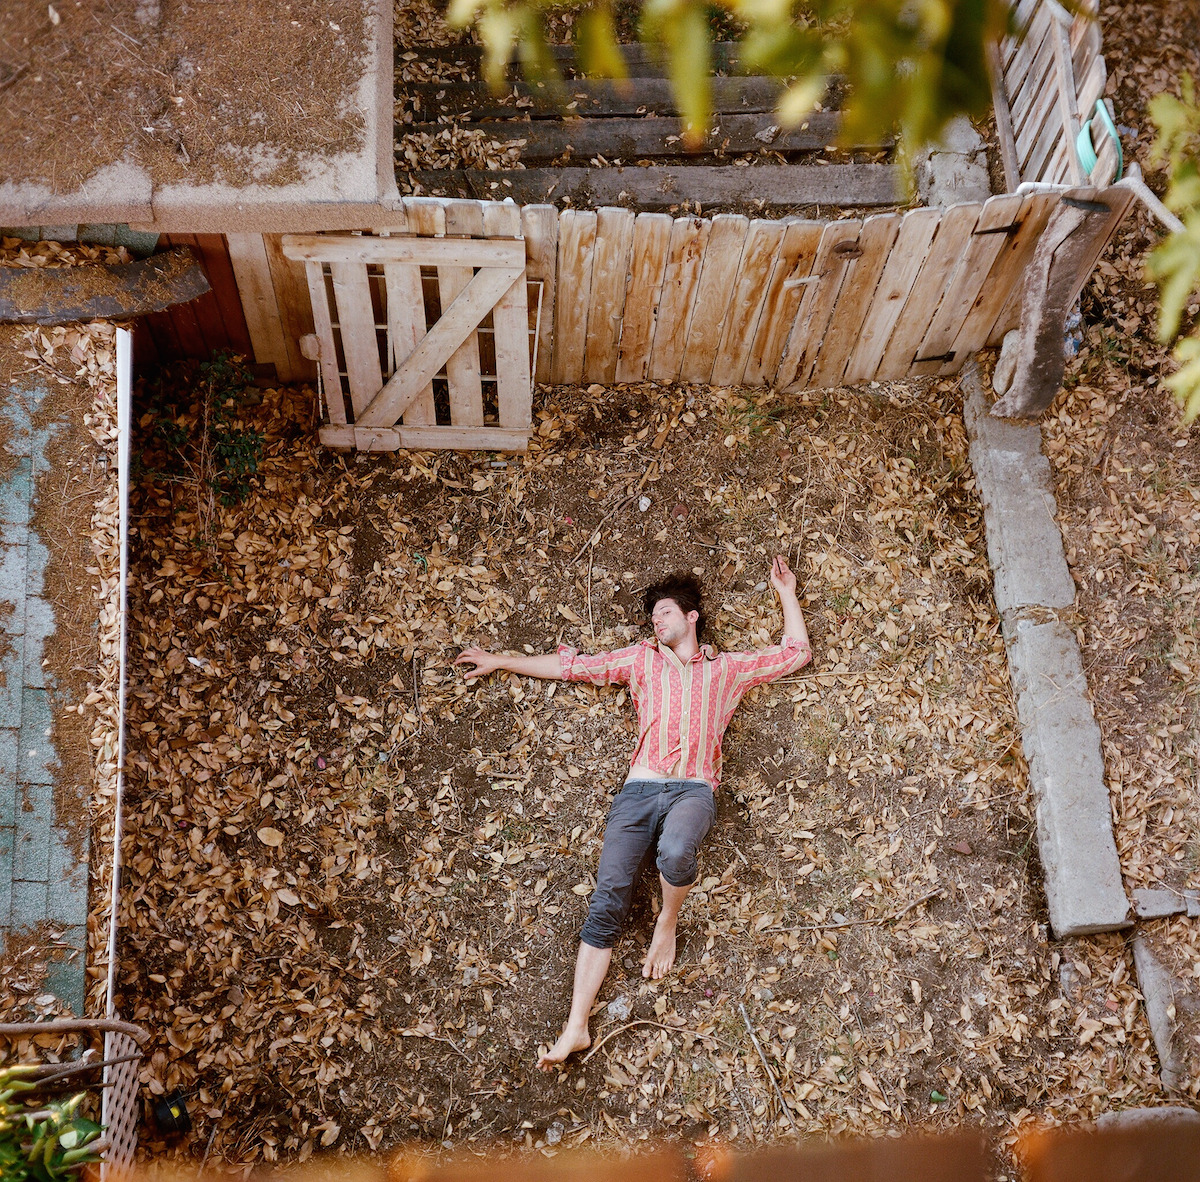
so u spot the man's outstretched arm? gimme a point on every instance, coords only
(544, 665)
(784, 582)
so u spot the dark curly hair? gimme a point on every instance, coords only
(685, 589)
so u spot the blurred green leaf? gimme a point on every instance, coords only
(598, 50)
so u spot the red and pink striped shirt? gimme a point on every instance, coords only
(704, 691)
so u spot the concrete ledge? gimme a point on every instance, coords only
(1158, 989)
(1058, 729)
(1023, 539)
(1165, 1119)
(1066, 771)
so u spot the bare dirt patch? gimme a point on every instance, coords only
(240, 92)
(356, 884)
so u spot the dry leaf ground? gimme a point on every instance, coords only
(355, 883)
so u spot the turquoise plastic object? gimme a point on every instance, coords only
(1083, 142)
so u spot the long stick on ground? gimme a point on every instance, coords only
(767, 1068)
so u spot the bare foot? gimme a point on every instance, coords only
(568, 1043)
(661, 954)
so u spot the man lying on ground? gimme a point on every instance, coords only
(684, 693)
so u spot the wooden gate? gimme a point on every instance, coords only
(421, 342)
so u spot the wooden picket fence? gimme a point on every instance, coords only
(612, 295)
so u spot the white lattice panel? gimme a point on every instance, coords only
(120, 1109)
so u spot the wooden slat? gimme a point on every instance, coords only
(749, 291)
(647, 270)
(1031, 95)
(426, 220)
(1024, 53)
(465, 438)
(501, 219)
(610, 274)
(899, 274)
(204, 308)
(188, 330)
(1119, 200)
(406, 326)
(722, 257)
(356, 319)
(215, 256)
(576, 246)
(510, 319)
(1024, 13)
(838, 242)
(463, 218)
(295, 311)
(948, 245)
(853, 301)
(1004, 127)
(638, 57)
(461, 318)
(784, 291)
(335, 399)
(384, 439)
(1005, 275)
(248, 257)
(1036, 161)
(642, 137)
(539, 223)
(774, 186)
(587, 97)
(1028, 128)
(980, 252)
(685, 258)
(1067, 97)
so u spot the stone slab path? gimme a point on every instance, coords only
(43, 865)
(1033, 586)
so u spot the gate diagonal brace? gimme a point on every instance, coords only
(432, 352)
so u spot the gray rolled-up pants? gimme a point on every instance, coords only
(669, 818)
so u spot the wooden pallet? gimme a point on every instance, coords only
(406, 357)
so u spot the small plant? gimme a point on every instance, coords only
(41, 1141)
(232, 452)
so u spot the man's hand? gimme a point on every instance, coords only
(544, 665)
(484, 662)
(782, 577)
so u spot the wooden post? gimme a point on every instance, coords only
(1075, 235)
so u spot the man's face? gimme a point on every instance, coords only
(671, 624)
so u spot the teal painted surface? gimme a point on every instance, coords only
(43, 875)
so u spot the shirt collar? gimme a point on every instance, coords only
(707, 651)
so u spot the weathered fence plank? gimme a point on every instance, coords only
(854, 299)
(721, 260)
(948, 244)
(576, 247)
(335, 400)
(651, 241)
(685, 257)
(610, 271)
(980, 252)
(539, 223)
(979, 325)
(784, 291)
(839, 246)
(749, 292)
(464, 219)
(357, 320)
(912, 242)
